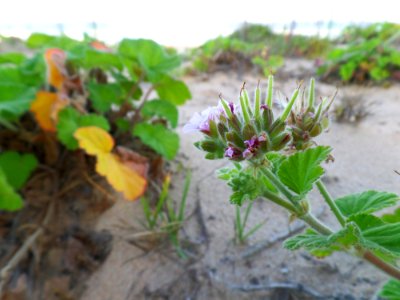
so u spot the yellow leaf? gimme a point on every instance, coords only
(94, 140)
(56, 70)
(46, 107)
(120, 176)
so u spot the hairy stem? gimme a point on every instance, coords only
(382, 265)
(332, 205)
(278, 200)
(316, 224)
(278, 184)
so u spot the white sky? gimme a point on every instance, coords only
(176, 22)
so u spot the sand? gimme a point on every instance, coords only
(365, 156)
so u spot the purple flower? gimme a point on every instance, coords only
(247, 153)
(200, 121)
(232, 152)
(252, 143)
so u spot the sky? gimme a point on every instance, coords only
(182, 23)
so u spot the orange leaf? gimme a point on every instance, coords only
(94, 140)
(100, 46)
(56, 70)
(122, 176)
(46, 107)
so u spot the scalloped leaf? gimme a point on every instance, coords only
(301, 170)
(366, 202)
(391, 290)
(161, 139)
(161, 108)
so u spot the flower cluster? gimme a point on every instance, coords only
(250, 130)
(308, 120)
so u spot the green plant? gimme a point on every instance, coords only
(281, 163)
(128, 92)
(370, 54)
(164, 217)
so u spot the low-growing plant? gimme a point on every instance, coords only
(73, 115)
(85, 95)
(280, 162)
(370, 53)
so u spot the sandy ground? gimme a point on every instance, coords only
(365, 157)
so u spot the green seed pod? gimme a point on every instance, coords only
(316, 130)
(213, 129)
(222, 130)
(277, 127)
(248, 131)
(233, 138)
(209, 146)
(267, 118)
(280, 141)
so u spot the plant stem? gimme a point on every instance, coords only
(278, 200)
(332, 205)
(316, 224)
(382, 265)
(278, 184)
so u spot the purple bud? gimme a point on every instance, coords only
(264, 106)
(262, 138)
(232, 152)
(252, 143)
(247, 153)
(232, 107)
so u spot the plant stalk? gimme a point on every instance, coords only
(331, 203)
(278, 184)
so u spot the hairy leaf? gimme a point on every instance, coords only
(17, 167)
(161, 108)
(366, 202)
(391, 290)
(300, 170)
(161, 139)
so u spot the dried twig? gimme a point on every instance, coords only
(23, 250)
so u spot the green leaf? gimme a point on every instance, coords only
(386, 237)
(9, 199)
(15, 99)
(41, 40)
(89, 58)
(300, 170)
(37, 40)
(150, 55)
(324, 245)
(104, 95)
(17, 167)
(172, 90)
(366, 202)
(161, 108)
(69, 120)
(393, 217)
(15, 58)
(391, 290)
(161, 139)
